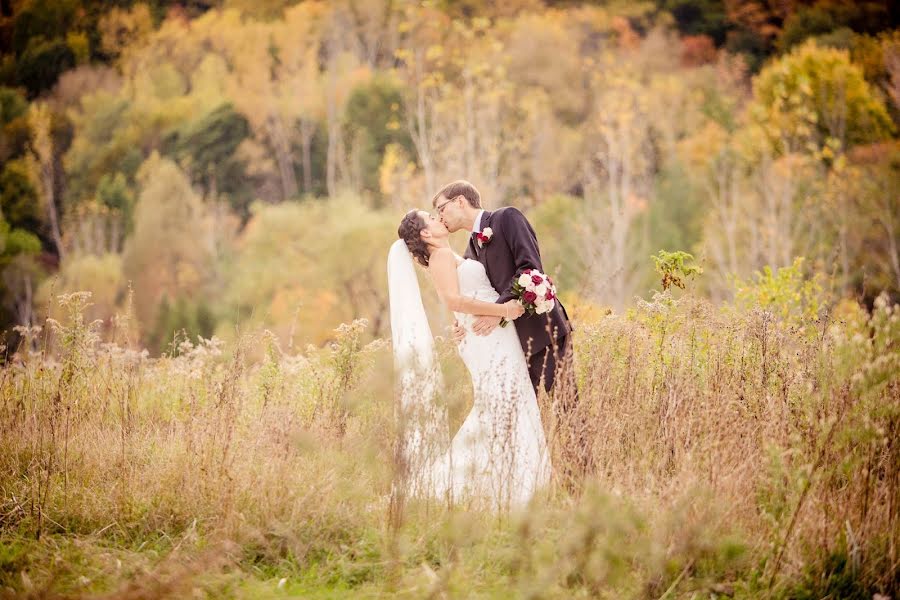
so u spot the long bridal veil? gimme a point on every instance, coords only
(424, 428)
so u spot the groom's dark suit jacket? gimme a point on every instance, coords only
(512, 249)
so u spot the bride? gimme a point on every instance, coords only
(499, 456)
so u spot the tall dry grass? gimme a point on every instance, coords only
(748, 452)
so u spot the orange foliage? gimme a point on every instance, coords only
(697, 50)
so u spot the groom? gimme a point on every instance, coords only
(506, 246)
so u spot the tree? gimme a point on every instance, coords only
(368, 28)
(274, 82)
(461, 108)
(714, 162)
(618, 176)
(700, 17)
(420, 55)
(20, 271)
(123, 30)
(206, 148)
(46, 19)
(827, 16)
(169, 254)
(814, 100)
(762, 208)
(373, 121)
(12, 105)
(19, 199)
(41, 64)
(43, 160)
(329, 281)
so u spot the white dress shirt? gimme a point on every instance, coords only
(476, 226)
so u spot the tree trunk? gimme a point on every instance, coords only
(307, 129)
(283, 157)
(417, 124)
(47, 177)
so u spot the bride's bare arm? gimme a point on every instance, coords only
(442, 267)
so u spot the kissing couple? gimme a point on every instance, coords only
(513, 342)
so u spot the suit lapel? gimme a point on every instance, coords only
(482, 252)
(473, 247)
(477, 252)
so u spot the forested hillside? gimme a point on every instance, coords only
(210, 163)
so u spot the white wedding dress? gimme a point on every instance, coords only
(499, 456)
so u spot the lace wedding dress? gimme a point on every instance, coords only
(499, 456)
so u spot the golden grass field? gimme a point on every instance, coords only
(746, 451)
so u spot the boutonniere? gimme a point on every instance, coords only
(484, 236)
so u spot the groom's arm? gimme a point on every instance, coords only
(523, 245)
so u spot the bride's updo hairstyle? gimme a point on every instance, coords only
(410, 231)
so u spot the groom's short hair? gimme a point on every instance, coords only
(460, 187)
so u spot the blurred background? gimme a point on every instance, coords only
(205, 165)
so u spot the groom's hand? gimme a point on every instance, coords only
(485, 325)
(458, 332)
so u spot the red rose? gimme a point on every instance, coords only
(529, 297)
(537, 279)
(549, 295)
(527, 271)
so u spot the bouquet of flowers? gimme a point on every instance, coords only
(534, 291)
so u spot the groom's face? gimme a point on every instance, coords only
(450, 212)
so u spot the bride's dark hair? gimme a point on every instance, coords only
(410, 231)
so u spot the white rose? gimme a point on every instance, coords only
(541, 290)
(487, 231)
(524, 280)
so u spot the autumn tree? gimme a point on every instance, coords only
(814, 100)
(618, 176)
(169, 253)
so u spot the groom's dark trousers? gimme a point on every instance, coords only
(552, 364)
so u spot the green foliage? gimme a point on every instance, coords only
(114, 193)
(19, 241)
(12, 105)
(41, 64)
(677, 217)
(206, 147)
(835, 576)
(700, 17)
(807, 22)
(19, 199)
(80, 46)
(330, 279)
(673, 268)
(103, 143)
(15, 242)
(374, 119)
(169, 254)
(48, 19)
(830, 16)
(555, 220)
(787, 291)
(182, 319)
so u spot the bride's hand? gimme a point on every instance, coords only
(514, 308)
